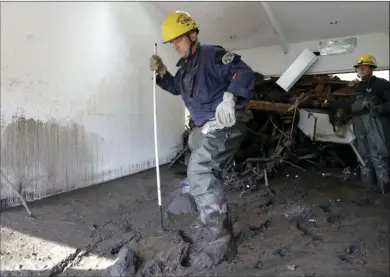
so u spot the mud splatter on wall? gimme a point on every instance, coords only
(44, 158)
(76, 78)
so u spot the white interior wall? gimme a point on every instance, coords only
(271, 61)
(76, 95)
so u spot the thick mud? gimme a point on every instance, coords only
(313, 225)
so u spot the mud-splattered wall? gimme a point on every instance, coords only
(76, 95)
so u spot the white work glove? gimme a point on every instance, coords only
(225, 112)
(211, 126)
(156, 64)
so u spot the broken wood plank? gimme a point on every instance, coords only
(346, 91)
(319, 88)
(269, 106)
(317, 81)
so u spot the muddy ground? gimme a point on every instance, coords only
(314, 226)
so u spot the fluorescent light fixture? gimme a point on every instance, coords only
(336, 47)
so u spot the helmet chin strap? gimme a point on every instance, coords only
(191, 47)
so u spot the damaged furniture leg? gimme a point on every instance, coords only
(360, 159)
(266, 182)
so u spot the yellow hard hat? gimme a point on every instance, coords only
(177, 24)
(366, 59)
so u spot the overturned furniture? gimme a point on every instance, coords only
(317, 125)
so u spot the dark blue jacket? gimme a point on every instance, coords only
(203, 79)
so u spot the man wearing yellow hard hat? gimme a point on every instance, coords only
(215, 86)
(371, 121)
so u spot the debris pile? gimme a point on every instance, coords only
(274, 138)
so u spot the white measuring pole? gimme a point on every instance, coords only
(156, 142)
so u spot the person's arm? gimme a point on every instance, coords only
(240, 81)
(168, 83)
(240, 75)
(385, 87)
(348, 106)
(164, 79)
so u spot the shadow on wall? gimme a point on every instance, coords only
(44, 158)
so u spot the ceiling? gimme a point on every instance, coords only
(242, 25)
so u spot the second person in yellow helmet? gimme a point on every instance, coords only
(215, 86)
(370, 109)
(371, 121)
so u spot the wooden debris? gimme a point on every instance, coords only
(273, 139)
(269, 106)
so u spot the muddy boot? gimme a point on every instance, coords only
(367, 178)
(221, 245)
(182, 204)
(195, 232)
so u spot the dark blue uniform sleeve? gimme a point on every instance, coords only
(241, 76)
(168, 83)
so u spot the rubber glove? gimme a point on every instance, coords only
(225, 112)
(357, 108)
(361, 108)
(378, 110)
(353, 83)
(156, 64)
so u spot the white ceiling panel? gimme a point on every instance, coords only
(234, 25)
(303, 21)
(243, 25)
